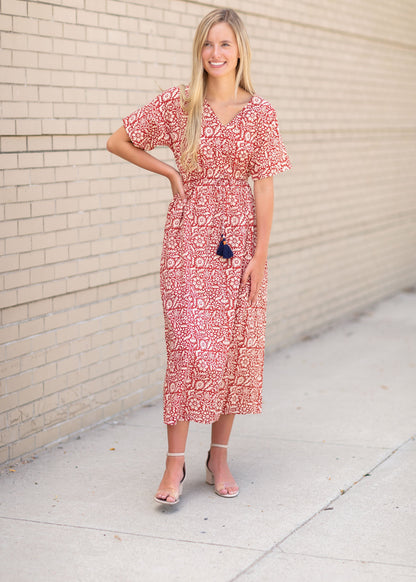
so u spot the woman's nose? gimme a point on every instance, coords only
(216, 51)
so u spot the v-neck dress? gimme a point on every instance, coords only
(214, 338)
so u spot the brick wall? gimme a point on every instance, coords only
(81, 325)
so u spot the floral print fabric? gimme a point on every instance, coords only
(214, 338)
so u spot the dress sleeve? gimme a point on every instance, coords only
(270, 156)
(150, 126)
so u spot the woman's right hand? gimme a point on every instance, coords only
(177, 185)
(119, 143)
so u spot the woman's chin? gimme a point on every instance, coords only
(218, 72)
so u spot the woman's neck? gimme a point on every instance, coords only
(221, 90)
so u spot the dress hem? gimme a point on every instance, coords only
(199, 420)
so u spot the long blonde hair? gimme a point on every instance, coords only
(192, 101)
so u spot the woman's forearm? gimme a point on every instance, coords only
(264, 198)
(120, 145)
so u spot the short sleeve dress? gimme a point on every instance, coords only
(214, 338)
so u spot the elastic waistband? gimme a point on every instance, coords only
(225, 179)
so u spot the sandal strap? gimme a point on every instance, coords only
(221, 446)
(175, 454)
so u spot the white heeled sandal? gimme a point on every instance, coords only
(176, 494)
(210, 478)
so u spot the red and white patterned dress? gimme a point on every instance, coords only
(214, 338)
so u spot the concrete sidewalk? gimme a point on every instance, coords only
(327, 476)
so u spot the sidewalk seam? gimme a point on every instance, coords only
(129, 533)
(347, 559)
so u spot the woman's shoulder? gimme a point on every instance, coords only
(264, 112)
(262, 105)
(169, 95)
(170, 100)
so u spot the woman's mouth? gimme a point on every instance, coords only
(216, 64)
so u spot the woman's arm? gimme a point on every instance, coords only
(264, 196)
(120, 145)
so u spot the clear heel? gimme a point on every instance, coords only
(210, 477)
(176, 494)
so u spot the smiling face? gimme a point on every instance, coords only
(220, 51)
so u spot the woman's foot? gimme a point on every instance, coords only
(219, 474)
(170, 487)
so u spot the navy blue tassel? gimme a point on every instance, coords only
(224, 250)
(228, 253)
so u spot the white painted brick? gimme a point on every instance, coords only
(6, 92)
(137, 11)
(53, 126)
(7, 127)
(38, 76)
(87, 18)
(39, 143)
(129, 24)
(10, 40)
(25, 93)
(39, 10)
(117, 37)
(39, 43)
(25, 25)
(31, 160)
(43, 175)
(51, 29)
(73, 63)
(63, 14)
(24, 59)
(74, 31)
(8, 161)
(50, 61)
(8, 195)
(6, 22)
(15, 177)
(12, 75)
(64, 46)
(6, 57)
(98, 65)
(109, 21)
(94, 34)
(51, 94)
(63, 78)
(114, 7)
(88, 48)
(75, 4)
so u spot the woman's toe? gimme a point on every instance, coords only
(163, 496)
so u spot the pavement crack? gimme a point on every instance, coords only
(342, 493)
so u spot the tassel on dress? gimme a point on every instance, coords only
(224, 249)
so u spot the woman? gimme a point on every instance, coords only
(213, 274)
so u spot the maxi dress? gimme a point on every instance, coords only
(214, 338)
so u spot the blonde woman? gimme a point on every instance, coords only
(213, 274)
